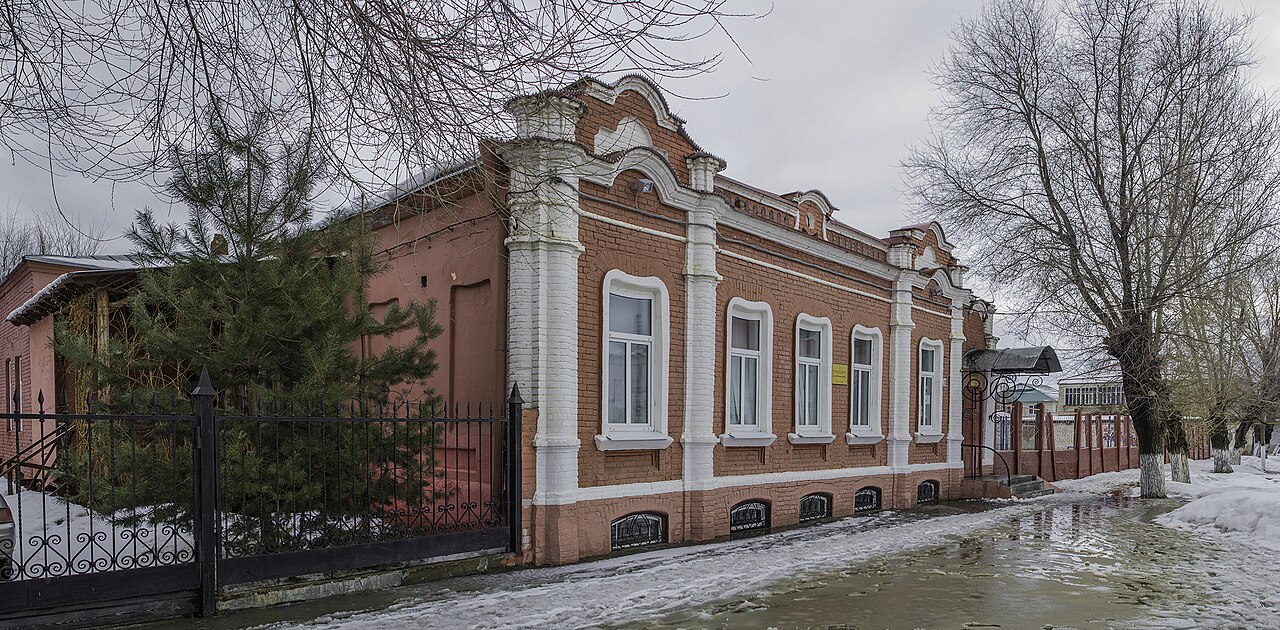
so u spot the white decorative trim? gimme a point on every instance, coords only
(650, 287)
(792, 272)
(621, 491)
(747, 439)
(655, 167)
(761, 311)
(939, 382)
(631, 226)
(629, 134)
(804, 243)
(811, 438)
(619, 441)
(633, 83)
(823, 325)
(863, 439)
(874, 424)
(928, 438)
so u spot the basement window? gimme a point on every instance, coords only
(638, 530)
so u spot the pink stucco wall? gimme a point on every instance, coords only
(455, 248)
(25, 346)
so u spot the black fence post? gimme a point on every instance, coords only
(206, 481)
(515, 495)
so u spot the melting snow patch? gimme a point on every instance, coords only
(1252, 514)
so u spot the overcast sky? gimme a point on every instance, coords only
(832, 96)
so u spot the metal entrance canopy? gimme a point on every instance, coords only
(1032, 360)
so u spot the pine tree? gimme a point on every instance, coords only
(272, 303)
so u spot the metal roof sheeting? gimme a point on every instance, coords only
(1032, 360)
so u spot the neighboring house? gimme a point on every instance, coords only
(32, 289)
(1032, 395)
(1099, 390)
(699, 357)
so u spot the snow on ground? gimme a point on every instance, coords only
(54, 537)
(648, 585)
(632, 589)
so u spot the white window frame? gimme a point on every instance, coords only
(933, 432)
(761, 433)
(873, 431)
(809, 434)
(654, 435)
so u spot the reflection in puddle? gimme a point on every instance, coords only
(1077, 565)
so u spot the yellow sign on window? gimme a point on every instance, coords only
(839, 374)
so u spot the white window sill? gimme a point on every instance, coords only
(863, 438)
(633, 442)
(810, 438)
(929, 438)
(747, 438)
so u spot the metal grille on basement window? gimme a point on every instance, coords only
(866, 500)
(637, 530)
(815, 506)
(748, 516)
(927, 492)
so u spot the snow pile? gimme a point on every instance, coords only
(1249, 514)
(55, 537)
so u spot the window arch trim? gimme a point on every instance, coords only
(761, 432)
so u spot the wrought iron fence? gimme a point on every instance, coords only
(185, 495)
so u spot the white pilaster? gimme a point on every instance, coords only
(900, 353)
(955, 386)
(542, 311)
(699, 440)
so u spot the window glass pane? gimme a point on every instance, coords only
(749, 387)
(862, 351)
(926, 360)
(926, 401)
(639, 383)
(617, 382)
(810, 344)
(746, 333)
(861, 397)
(812, 372)
(735, 390)
(630, 315)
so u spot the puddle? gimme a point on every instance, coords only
(1084, 565)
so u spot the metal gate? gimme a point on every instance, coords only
(149, 511)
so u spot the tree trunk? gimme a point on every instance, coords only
(1220, 442)
(1179, 462)
(1144, 392)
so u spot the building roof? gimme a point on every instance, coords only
(103, 261)
(68, 286)
(1028, 393)
(1109, 373)
(1032, 360)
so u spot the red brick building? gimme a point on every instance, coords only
(698, 356)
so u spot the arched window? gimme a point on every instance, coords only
(748, 516)
(814, 507)
(927, 492)
(866, 499)
(638, 530)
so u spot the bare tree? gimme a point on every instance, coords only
(385, 88)
(45, 233)
(1214, 367)
(1112, 157)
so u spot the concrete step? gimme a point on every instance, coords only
(1017, 479)
(1036, 493)
(1019, 489)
